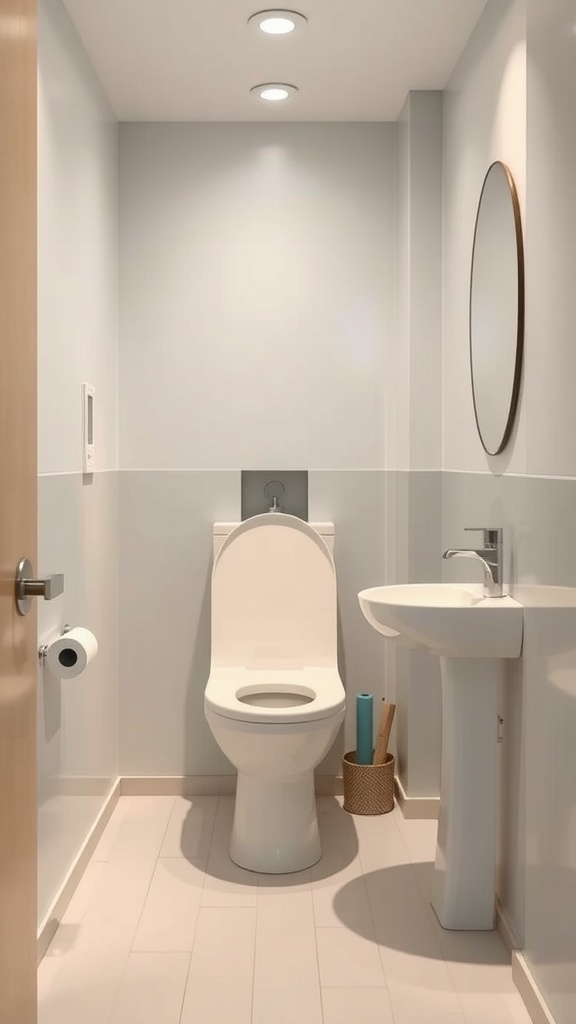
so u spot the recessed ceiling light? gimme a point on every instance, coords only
(274, 91)
(277, 22)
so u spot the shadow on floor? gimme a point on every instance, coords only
(402, 918)
(337, 834)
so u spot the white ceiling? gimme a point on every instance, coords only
(195, 60)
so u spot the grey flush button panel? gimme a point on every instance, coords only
(277, 490)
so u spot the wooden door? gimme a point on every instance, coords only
(18, 639)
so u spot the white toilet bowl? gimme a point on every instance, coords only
(274, 699)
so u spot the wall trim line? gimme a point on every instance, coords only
(416, 806)
(530, 993)
(506, 928)
(51, 920)
(206, 785)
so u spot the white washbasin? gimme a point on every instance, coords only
(471, 634)
(450, 619)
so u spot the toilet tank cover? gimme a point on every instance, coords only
(274, 596)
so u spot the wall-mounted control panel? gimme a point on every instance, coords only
(274, 490)
(88, 447)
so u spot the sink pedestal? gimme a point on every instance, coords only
(464, 871)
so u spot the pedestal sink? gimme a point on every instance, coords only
(471, 634)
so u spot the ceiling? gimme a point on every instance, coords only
(196, 60)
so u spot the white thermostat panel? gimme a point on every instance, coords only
(88, 452)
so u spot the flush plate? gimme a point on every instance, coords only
(260, 486)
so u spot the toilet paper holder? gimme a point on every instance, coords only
(43, 649)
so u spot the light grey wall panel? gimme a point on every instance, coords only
(77, 718)
(537, 515)
(354, 501)
(165, 564)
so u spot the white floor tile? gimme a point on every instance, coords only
(152, 989)
(226, 884)
(341, 900)
(111, 918)
(339, 840)
(395, 884)
(219, 986)
(271, 886)
(79, 990)
(189, 831)
(419, 836)
(144, 824)
(412, 1005)
(329, 804)
(295, 1005)
(404, 932)
(493, 1008)
(117, 898)
(84, 892)
(348, 960)
(356, 1006)
(359, 923)
(473, 950)
(110, 834)
(286, 944)
(170, 913)
(380, 843)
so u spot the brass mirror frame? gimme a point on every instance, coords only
(515, 390)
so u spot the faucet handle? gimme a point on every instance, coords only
(492, 534)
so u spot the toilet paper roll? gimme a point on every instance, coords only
(69, 655)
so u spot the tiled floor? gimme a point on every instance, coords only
(165, 929)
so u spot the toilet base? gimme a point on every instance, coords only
(275, 828)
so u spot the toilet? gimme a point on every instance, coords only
(274, 699)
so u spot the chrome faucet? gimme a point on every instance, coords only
(490, 556)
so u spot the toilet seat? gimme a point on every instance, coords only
(226, 686)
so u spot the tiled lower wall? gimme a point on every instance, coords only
(165, 564)
(77, 718)
(166, 560)
(389, 527)
(537, 876)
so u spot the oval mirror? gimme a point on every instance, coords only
(496, 308)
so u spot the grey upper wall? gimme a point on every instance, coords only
(257, 272)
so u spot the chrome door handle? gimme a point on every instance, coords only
(27, 587)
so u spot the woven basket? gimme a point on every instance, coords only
(368, 788)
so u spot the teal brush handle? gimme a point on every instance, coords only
(364, 728)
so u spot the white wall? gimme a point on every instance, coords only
(511, 99)
(257, 277)
(413, 401)
(550, 676)
(78, 237)
(484, 120)
(77, 516)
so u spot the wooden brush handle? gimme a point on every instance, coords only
(384, 727)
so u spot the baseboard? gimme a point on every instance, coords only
(49, 925)
(416, 806)
(178, 785)
(206, 785)
(521, 974)
(529, 991)
(505, 928)
(78, 785)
